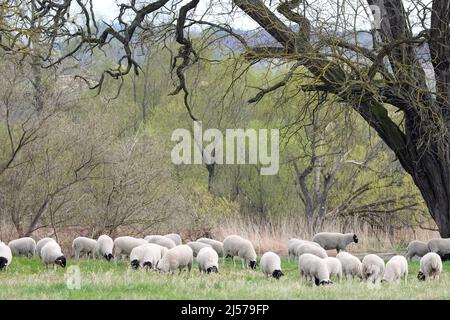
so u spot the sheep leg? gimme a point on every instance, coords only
(234, 261)
(243, 263)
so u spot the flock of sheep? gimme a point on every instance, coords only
(167, 254)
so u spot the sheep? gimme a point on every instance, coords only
(104, 247)
(440, 246)
(83, 245)
(234, 245)
(396, 268)
(178, 257)
(51, 254)
(334, 267)
(5, 256)
(197, 246)
(23, 247)
(208, 260)
(351, 265)
(216, 245)
(293, 243)
(40, 244)
(175, 237)
(153, 238)
(335, 240)
(271, 265)
(308, 248)
(124, 245)
(314, 267)
(430, 266)
(165, 242)
(146, 255)
(372, 268)
(417, 248)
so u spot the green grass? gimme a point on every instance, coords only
(28, 279)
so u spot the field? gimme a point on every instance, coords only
(28, 279)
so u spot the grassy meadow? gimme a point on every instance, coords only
(28, 279)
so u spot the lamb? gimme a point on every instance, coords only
(51, 254)
(430, 266)
(314, 267)
(396, 268)
(165, 242)
(179, 257)
(216, 245)
(197, 246)
(234, 245)
(175, 237)
(308, 248)
(334, 267)
(351, 265)
(124, 245)
(104, 247)
(83, 245)
(5, 256)
(208, 260)
(271, 265)
(153, 238)
(23, 247)
(40, 244)
(417, 248)
(293, 243)
(146, 255)
(440, 246)
(372, 268)
(335, 240)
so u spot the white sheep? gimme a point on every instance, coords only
(312, 266)
(351, 265)
(334, 267)
(396, 268)
(5, 256)
(197, 246)
(335, 240)
(440, 246)
(51, 254)
(271, 265)
(179, 257)
(153, 238)
(236, 246)
(23, 247)
(104, 247)
(124, 245)
(84, 245)
(372, 268)
(175, 237)
(146, 255)
(40, 244)
(216, 245)
(308, 248)
(416, 248)
(294, 242)
(208, 260)
(430, 266)
(165, 242)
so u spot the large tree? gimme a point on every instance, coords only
(399, 84)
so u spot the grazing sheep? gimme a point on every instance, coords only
(441, 247)
(197, 246)
(146, 255)
(351, 265)
(396, 268)
(175, 237)
(417, 248)
(235, 245)
(216, 245)
(40, 244)
(51, 254)
(293, 243)
(104, 247)
(372, 268)
(308, 248)
(430, 266)
(314, 267)
(83, 245)
(124, 245)
(153, 238)
(271, 265)
(179, 257)
(165, 242)
(23, 247)
(335, 240)
(334, 267)
(5, 256)
(208, 260)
